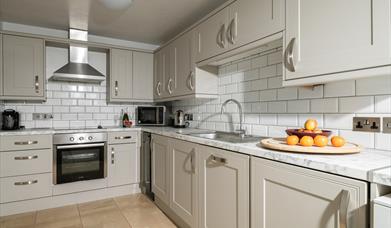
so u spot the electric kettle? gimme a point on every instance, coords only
(180, 120)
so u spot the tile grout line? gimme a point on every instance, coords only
(116, 204)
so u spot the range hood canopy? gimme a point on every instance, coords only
(78, 69)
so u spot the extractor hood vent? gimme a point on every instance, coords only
(78, 69)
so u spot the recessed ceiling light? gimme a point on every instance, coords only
(116, 4)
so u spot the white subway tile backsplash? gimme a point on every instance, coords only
(77, 95)
(68, 102)
(287, 120)
(340, 89)
(267, 72)
(299, 106)
(311, 92)
(289, 93)
(329, 105)
(382, 141)
(276, 131)
(268, 119)
(274, 58)
(251, 75)
(260, 84)
(338, 121)
(383, 104)
(356, 105)
(268, 95)
(251, 118)
(277, 107)
(84, 88)
(259, 130)
(260, 61)
(374, 85)
(244, 65)
(274, 83)
(366, 139)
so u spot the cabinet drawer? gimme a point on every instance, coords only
(25, 142)
(17, 163)
(122, 137)
(25, 187)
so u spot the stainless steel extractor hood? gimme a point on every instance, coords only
(78, 69)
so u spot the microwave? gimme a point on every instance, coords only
(151, 115)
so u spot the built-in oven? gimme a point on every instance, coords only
(79, 157)
(150, 115)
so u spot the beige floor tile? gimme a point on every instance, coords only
(105, 219)
(25, 220)
(134, 201)
(147, 218)
(97, 206)
(57, 214)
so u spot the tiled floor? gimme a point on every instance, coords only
(132, 211)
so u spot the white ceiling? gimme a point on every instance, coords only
(149, 21)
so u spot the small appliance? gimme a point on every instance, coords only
(150, 115)
(10, 120)
(180, 120)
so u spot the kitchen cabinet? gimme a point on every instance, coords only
(211, 35)
(23, 68)
(184, 180)
(287, 196)
(1, 65)
(121, 75)
(223, 189)
(161, 168)
(251, 20)
(142, 76)
(164, 75)
(122, 159)
(131, 76)
(184, 68)
(158, 75)
(323, 42)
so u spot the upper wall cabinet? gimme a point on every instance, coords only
(131, 76)
(238, 26)
(340, 39)
(23, 68)
(1, 65)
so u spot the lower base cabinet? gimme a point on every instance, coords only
(223, 189)
(287, 196)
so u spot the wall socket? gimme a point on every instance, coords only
(42, 116)
(387, 125)
(367, 124)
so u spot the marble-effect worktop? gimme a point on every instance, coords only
(369, 165)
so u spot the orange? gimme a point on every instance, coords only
(337, 141)
(321, 141)
(317, 131)
(306, 141)
(311, 124)
(292, 140)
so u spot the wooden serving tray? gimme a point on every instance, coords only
(280, 144)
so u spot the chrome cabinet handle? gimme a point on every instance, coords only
(192, 161)
(36, 84)
(190, 81)
(123, 137)
(158, 92)
(112, 155)
(218, 159)
(230, 34)
(288, 56)
(169, 88)
(343, 209)
(220, 36)
(26, 182)
(26, 157)
(116, 88)
(26, 143)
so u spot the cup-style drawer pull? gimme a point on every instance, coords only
(26, 143)
(26, 182)
(123, 137)
(26, 157)
(218, 159)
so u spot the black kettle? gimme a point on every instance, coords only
(10, 119)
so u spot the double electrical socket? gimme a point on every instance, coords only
(42, 116)
(371, 124)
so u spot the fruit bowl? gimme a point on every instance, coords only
(300, 134)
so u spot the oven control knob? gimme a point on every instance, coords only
(90, 138)
(81, 138)
(72, 139)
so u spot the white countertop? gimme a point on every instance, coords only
(369, 165)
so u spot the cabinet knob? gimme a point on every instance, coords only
(116, 88)
(288, 56)
(36, 84)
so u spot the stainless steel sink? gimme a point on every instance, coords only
(227, 137)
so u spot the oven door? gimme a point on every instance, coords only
(79, 162)
(150, 115)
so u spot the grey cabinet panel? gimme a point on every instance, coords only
(142, 76)
(121, 74)
(1, 65)
(23, 67)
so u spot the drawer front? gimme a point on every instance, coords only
(25, 142)
(122, 137)
(27, 162)
(25, 187)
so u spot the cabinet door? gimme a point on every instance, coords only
(161, 168)
(251, 20)
(324, 37)
(223, 189)
(211, 39)
(142, 76)
(1, 65)
(183, 200)
(23, 67)
(123, 163)
(288, 196)
(158, 75)
(184, 71)
(121, 77)
(168, 85)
